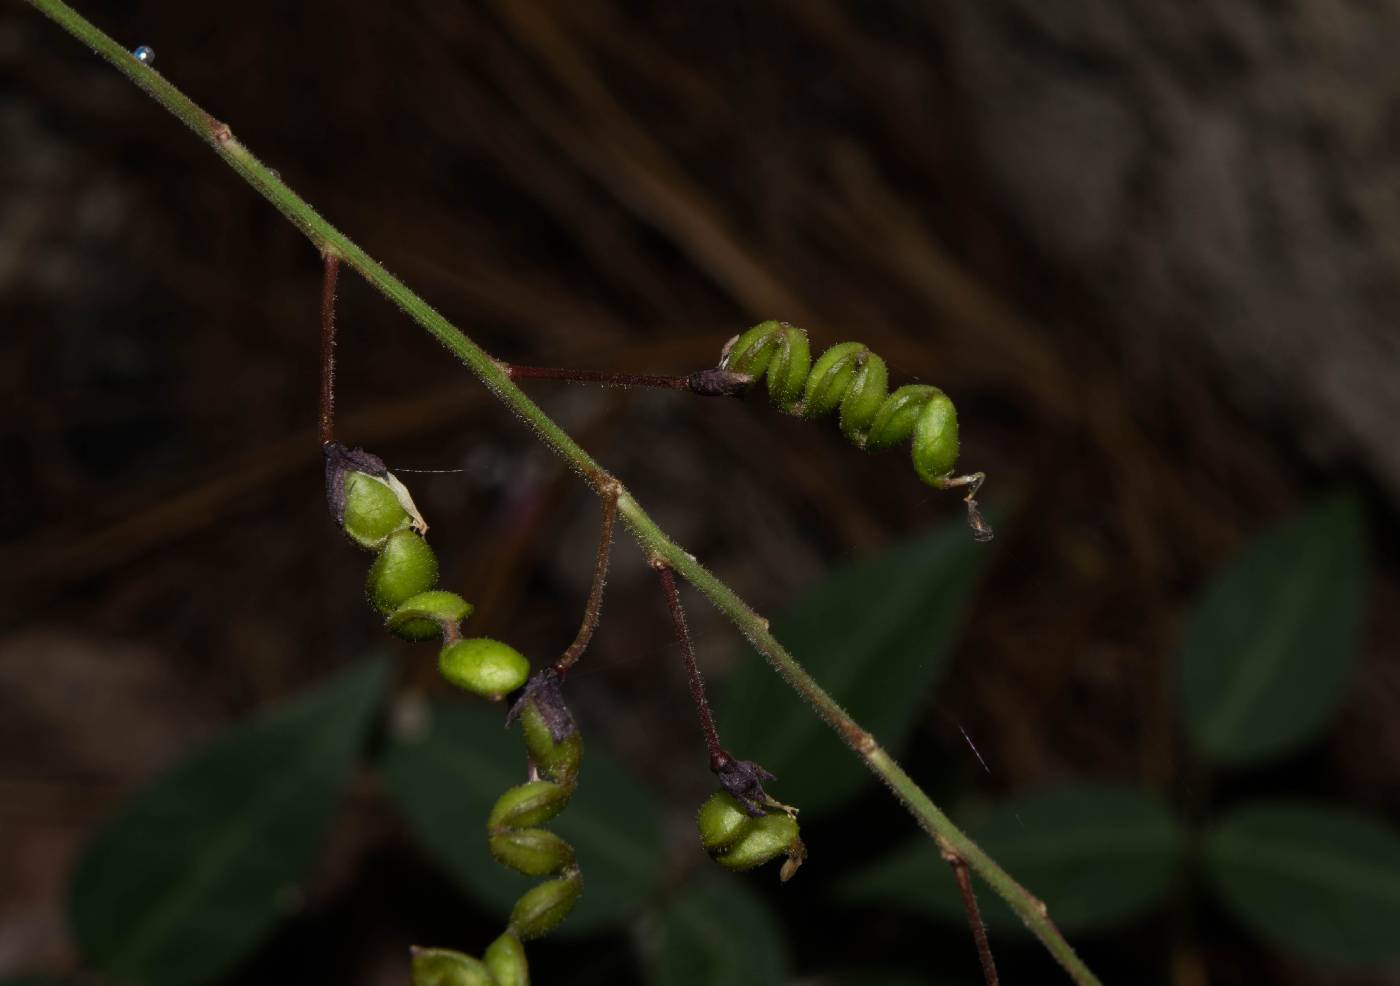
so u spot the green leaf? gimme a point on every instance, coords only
(718, 933)
(194, 871)
(1097, 855)
(1320, 881)
(876, 634)
(1268, 653)
(446, 781)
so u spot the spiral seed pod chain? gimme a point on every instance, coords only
(376, 511)
(741, 826)
(849, 378)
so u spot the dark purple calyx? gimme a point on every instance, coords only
(340, 461)
(743, 779)
(544, 692)
(718, 382)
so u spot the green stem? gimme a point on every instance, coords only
(938, 825)
(329, 240)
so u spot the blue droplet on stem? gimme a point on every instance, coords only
(144, 54)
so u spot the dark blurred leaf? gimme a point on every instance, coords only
(194, 871)
(1312, 879)
(887, 979)
(717, 934)
(1269, 650)
(1096, 855)
(44, 981)
(876, 634)
(447, 780)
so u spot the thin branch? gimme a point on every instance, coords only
(658, 546)
(974, 916)
(328, 284)
(938, 825)
(606, 378)
(594, 607)
(714, 382)
(692, 670)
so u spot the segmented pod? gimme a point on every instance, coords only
(406, 567)
(534, 852)
(505, 958)
(484, 667)
(513, 830)
(848, 378)
(377, 513)
(429, 614)
(738, 841)
(444, 967)
(529, 804)
(372, 510)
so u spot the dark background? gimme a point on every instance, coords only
(1150, 249)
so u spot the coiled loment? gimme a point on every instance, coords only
(850, 379)
(377, 513)
(740, 839)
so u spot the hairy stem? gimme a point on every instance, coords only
(593, 609)
(692, 670)
(714, 382)
(1027, 906)
(605, 378)
(328, 285)
(329, 240)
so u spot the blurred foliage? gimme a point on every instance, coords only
(895, 979)
(1269, 650)
(1310, 877)
(1267, 657)
(191, 875)
(1096, 855)
(716, 933)
(877, 634)
(196, 869)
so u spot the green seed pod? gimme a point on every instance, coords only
(935, 447)
(763, 839)
(558, 761)
(378, 512)
(895, 420)
(406, 567)
(534, 852)
(778, 350)
(739, 842)
(869, 390)
(854, 379)
(484, 667)
(428, 614)
(542, 907)
(443, 967)
(505, 957)
(372, 510)
(528, 805)
(721, 821)
(831, 377)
